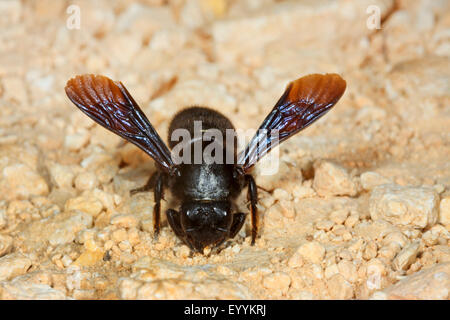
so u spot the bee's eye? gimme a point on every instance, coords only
(220, 211)
(191, 213)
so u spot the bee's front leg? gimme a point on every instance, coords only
(252, 195)
(156, 182)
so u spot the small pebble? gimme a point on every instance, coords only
(6, 243)
(281, 194)
(407, 256)
(119, 235)
(324, 225)
(339, 216)
(86, 181)
(339, 288)
(278, 281)
(312, 251)
(124, 221)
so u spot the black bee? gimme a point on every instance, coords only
(206, 190)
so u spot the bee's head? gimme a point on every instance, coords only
(205, 223)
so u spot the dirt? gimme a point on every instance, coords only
(360, 206)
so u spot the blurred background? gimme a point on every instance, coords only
(235, 55)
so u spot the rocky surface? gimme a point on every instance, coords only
(359, 208)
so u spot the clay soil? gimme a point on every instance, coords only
(360, 205)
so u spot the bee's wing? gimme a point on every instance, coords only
(304, 101)
(109, 104)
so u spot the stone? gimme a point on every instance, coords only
(86, 181)
(66, 261)
(430, 238)
(331, 179)
(348, 270)
(273, 217)
(13, 265)
(376, 272)
(325, 225)
(77, 140)
(19, 181)
(339, 288)
(370, 180)
(370, 250)
(277, 281)
(331, 270)
(428, 284)
(281, 194)
(339, 216)
(146, 18)
(2, 218)
(12, 86)
(6, 243)
(389, 251)
(125, 221)
(312, 251)
(23, 290)
(125, 246)
(109, 200)
(296, 260)
(405, 206)
(61, 175)
(119, 235)
(153, 278)
(303, 295)
(278, 22)
(444, 211)
(287, 209)
(85, 235)
(128, 288)
(407, 256)
(396, 237)
(80, 294)
(345, 255)
(86, 204)
(168, 39)
(442, 253)
(374, 230)
(351, 220)
(58, 229)
(303, 191)
(89, 258)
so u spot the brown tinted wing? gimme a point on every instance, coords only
(304, 101)
(109, 104)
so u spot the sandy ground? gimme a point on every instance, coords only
(359, 209)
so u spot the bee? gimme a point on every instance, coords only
(206, 191)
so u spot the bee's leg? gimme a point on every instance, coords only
(173, 217)
(148, 185)
(156, 182)
(252, 195)
(158, 195)
(238, 222)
